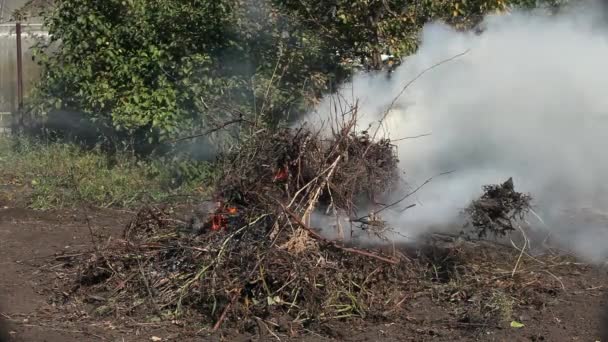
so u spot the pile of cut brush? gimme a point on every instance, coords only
(253, 253)
(499, 210)
(252, 257)
(304, 171)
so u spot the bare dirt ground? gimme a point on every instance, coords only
(35, 247)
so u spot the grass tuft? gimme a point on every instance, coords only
(56, 175)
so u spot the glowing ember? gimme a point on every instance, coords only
(218, 222)
(281, 175)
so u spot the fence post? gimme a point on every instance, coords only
(19, 76)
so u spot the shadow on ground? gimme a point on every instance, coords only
(3, 328)
(604, 319)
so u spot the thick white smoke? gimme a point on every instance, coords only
(529, 100)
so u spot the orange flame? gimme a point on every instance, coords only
(218, 222)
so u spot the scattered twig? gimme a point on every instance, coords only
(556, 278)
(145, 281)
(524, 252)
(521, 252)
(313, 201)
(218, 324)
(296, 195)
(209, 131)
(262, 324)
(365, 253)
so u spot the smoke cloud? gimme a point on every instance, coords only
(529, 100)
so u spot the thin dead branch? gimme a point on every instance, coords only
(210, 131)
(333, 243)
(408, 84)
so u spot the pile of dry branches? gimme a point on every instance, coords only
(263, 263)
(249, 275)
(305, 170)
(498, 210)
(262, 254)
(253, 256)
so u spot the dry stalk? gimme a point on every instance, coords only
(147, 285)
(313, 201)
(526, 243)
(333, 243)
(219, 322)
(209, 131)
(274, 73)
(297, 194)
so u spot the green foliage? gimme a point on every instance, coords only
(161, 69)
(64, 175)
(131, 63)
(361, 30)
(155, 70)
(149, 71)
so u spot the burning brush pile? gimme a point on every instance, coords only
(253, 255)
(253, 251)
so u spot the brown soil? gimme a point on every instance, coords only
(36, 247)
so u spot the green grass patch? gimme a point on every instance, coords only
(65, 175)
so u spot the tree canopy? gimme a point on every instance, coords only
(161, 69)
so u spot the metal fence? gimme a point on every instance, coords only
(18, 72)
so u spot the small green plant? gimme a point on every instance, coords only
(64, 175)
(346, 301)
(502, 304)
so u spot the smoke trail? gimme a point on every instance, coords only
(529, 100)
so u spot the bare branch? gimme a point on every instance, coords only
(392, 104)
(412, 137)
(209, 131)
(333, 243)
(404, 197)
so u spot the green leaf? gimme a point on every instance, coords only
(515, 324)
(274, 300)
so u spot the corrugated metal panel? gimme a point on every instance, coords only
(7, 7)
(5, 122)
(8, 65)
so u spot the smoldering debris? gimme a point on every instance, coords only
(300, 168)
(255, 254)
(498, 211)
(526, 101)
(255, 251)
